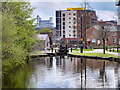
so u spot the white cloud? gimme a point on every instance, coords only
(47, 9)
(72, 0)
(106, 15)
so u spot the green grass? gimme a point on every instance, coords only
(83, 49)
(95, 54)
(36, 53)
(114, 51)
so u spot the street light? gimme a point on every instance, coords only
(118, 4)
(81, 47)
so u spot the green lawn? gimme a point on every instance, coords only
(36, 53)
(83, 49)
(114, 51)
(95, 54)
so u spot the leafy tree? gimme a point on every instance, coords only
(103, 33)
(17, 33)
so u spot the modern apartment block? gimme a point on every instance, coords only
(68, 23)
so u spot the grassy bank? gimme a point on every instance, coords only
(95, 54)
(83, 49)
(114, 51)
(36, 53)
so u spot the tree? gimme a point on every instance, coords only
(87, 6)
(103, 33)
(17, 33)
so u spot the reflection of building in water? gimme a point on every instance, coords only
(118, 75)
(49, 62)
(78, 72)
(66, 64)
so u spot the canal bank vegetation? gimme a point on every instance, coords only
(96, 54)
(17, 34)
(36, 52)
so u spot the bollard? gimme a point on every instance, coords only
(117, 49)
(81, 49)
(113, 50)
(55, 50)
(110, 49)
(106, 48)
(71, 49)
(52, 49)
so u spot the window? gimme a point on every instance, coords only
(69, 14)
(69, 34)
(74, 39)
(63, 36)
(114, 40)
(93, 41)
(64, 32)
(70, 22)
(63, 14)
(74, 31)
(63, 19)
(63, 27)
(88, 39)
(74, 27)
(74, 22)
(74, 18)
(78, 22)
(69, 26)
(79, 35)
(74, 35)
(69, 18)
(114, 34)
(63, 23)
(78, 18)
(74, 14)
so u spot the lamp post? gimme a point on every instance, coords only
(118, 4)
(81, 47)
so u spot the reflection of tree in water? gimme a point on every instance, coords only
(81, 73)
(117, 69)
(103, 74)
(19, 78)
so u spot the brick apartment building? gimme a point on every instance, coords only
(69, 22)
(112, 39)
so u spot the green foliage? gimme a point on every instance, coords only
(44, 30)
(17, 33)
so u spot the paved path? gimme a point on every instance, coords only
(94, 51)
(98, 51)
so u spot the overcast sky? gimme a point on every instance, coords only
(104, 10)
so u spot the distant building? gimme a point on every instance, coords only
(43, 42)
(44, 23)
(94, 41)
(68, 23)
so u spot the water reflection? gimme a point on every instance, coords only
(70, 72)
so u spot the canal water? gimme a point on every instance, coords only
(65, 72)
